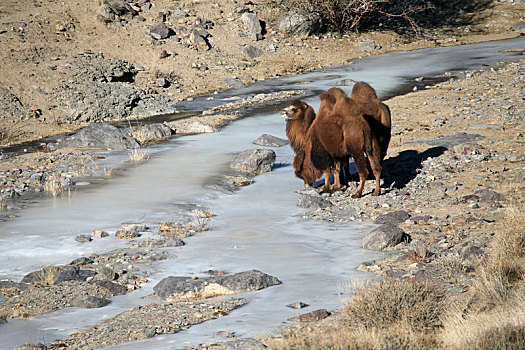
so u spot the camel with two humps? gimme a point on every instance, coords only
(338, 132)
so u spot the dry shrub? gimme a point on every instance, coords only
(449, 268)
(343, 15)
(416, 305)
(339, 336)
(501, 328)
(198, 221)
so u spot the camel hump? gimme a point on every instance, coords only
(362, 91)
(327, 98)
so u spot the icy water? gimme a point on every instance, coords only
(259, 227)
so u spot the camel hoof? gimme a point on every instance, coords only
(356, 195)
(376, 193)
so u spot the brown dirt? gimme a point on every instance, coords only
(40, 34)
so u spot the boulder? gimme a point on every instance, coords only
(519, 27)
(387, 235)
(175, 289)
(254, 161)
(102, 136)
(299, 23)
(89, 302)
(270, 141)
(252, 25)
(160, 31)
(234, 83)
(151, 132)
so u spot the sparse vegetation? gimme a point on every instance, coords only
(54, 186)
(138, 155)
(197, 221)
(344, 15)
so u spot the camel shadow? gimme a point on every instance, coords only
(398, 171)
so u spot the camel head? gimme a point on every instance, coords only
(298, 110)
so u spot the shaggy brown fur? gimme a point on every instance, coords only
(339, 131)
(299, 116)
(375, 112)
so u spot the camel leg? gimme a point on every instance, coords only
(360, 164)
(326, 187)
(376, 169)
(344, 175)
(337, 179)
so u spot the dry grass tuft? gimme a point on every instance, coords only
(198, 221)
(416, 305)
(54, 186)
(138, 155)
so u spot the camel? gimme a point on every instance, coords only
(339, 131)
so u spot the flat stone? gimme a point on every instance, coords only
(243, 344)
(316, 315)
(101, 136)
(151, 132)
(186, 288)
(99, 234)
(369, 46)
(160, 31)
(395, 217)
(490, 196)
(298, 305)
(252, 52)
(112, 287)
(315, 202)
(519, 27)
(89, 302)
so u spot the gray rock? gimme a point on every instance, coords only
(105, 14)
(316, 315)
(270, 141)
(89, 302)
(114, 288)
(2, 321)
(299, 23)
(162, 82)
(395, 217)
(387, 235)
(234, 83)
(252, 25)
(490, 196)
(160, 31)
(83, 239)
(72, 274)
(151, 132)
(298, 305)
(180, 287)
(120, 7)
(33, 346)
(315, 202)
(192, 126)
(102, 136)
(81, 261)
(254, 161)
(252, 52)
(519, 27)
(99, 234)
(243, 344)
(105, 274)
(369, 46)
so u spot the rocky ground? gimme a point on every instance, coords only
(456, 157)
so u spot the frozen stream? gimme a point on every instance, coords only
(259, 227)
